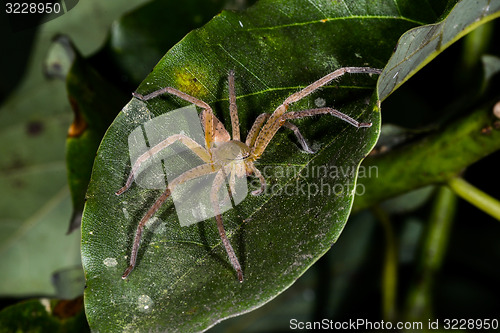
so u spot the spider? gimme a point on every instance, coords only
(225, 156)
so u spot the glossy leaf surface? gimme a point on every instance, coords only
(419, 46)
(99, 86)
(35, 203)
(183, 280)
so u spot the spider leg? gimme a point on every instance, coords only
(220, 134)
(231, 190)
(238, 169)
(195, 172)
(218, 182)
(208, 114)
(306, 113)
(233, 110)
(327, 79)
(140, 228)
(188, 142)
(299, 136)
(232, 184)
(254, 131)
(274, 123)
(327, 110)
(259, 175)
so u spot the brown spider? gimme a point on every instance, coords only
(224, 156)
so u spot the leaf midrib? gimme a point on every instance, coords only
(332, 19)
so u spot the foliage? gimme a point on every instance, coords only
(438, 124)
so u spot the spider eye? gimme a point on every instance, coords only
(242, 156)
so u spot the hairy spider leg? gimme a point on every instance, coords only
(140, 228)
(218, 182)
(214, 132)
(283, 121)
(207, 113)
(195, 172)
(233, 109)
(326, 110)
(273, 124)
(257, 174)
(250, 141)
(297, 96)
(299, 136)
(188, 142)
(234, 166)
(232, 180)
(254, 131)
(220, 134)
(309, 113)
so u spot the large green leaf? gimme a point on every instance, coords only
(183, 280)
(99, 86)
(460, 142)
(419, 46)
(94, 102)
(44, 315)
(135, 43)
(33, 195)
(34, 200)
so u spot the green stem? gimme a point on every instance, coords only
(434, 159)
(475, 196)
(419, 301)
(390, 277)
(476, 44)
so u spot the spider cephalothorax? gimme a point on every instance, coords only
(226, 157)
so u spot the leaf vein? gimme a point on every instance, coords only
(242, 65)
(331, 19)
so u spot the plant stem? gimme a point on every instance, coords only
(475, 45)
(434, 159)
(390, 277)
(419, 300)
(475, 196)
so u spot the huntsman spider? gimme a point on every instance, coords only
(225, 156)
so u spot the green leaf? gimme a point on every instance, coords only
(99, 86)
(325, 288)
(44, 315)
(434, 159)
(183, 280)
(419, 46)
(135, 42)
(95, 102)
(34, 200)
(33, 195)
(442, 155)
